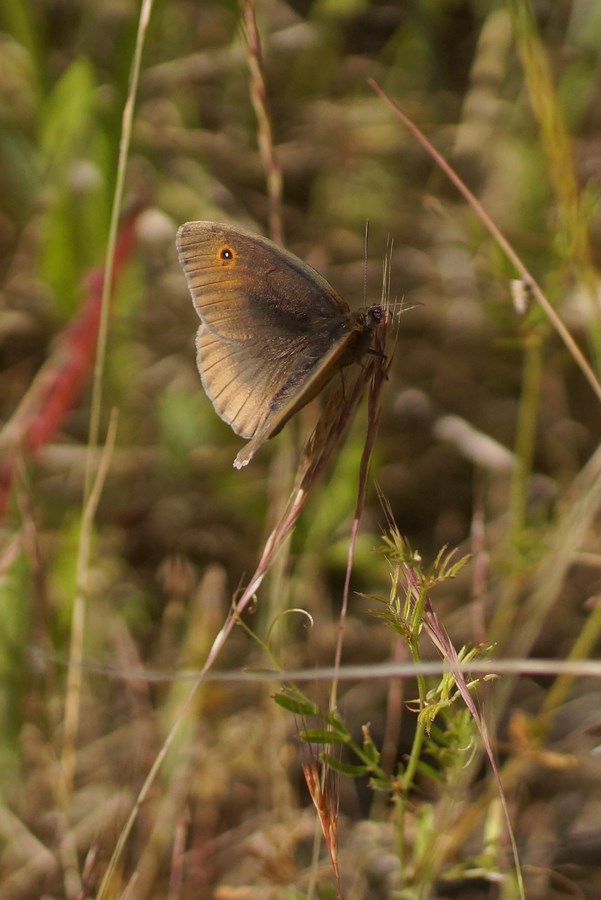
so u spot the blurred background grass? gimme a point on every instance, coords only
(177, 529)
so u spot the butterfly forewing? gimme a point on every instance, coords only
(245, 287)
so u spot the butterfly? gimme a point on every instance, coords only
(273, 331)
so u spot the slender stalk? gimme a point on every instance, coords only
(583, 647)
(320, 449)
(74, 673)
(503, 619)
(501, 240)
(556, 146)
(258, 96)
(90, 500)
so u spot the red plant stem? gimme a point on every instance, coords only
(60, 382)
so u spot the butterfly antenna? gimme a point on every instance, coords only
(386, 274)
(393, 305)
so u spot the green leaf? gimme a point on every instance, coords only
(322, 736)
(296, 702)
(68, 113)
(74, 154)
(369, 748)
(429, 771)
(345, 768)
(379, 783)
(338, 725)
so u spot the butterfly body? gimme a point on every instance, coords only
(273, 331)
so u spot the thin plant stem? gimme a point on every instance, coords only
(503, 619)
(74, 673)
(526, 433)
(501, 240)
(556, 145)
(282, 473)
(418, 613)
(583, 646)
(319, 450)
(410, 769)
(258, 96)
(78, 618)
(342, 617)
(124, 144)
(274, 542)
(563, 542)
(380, 374)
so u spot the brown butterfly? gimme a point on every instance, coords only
(273, 331)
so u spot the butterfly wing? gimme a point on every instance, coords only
(272, 333)
(245, 287)
(242, 384)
